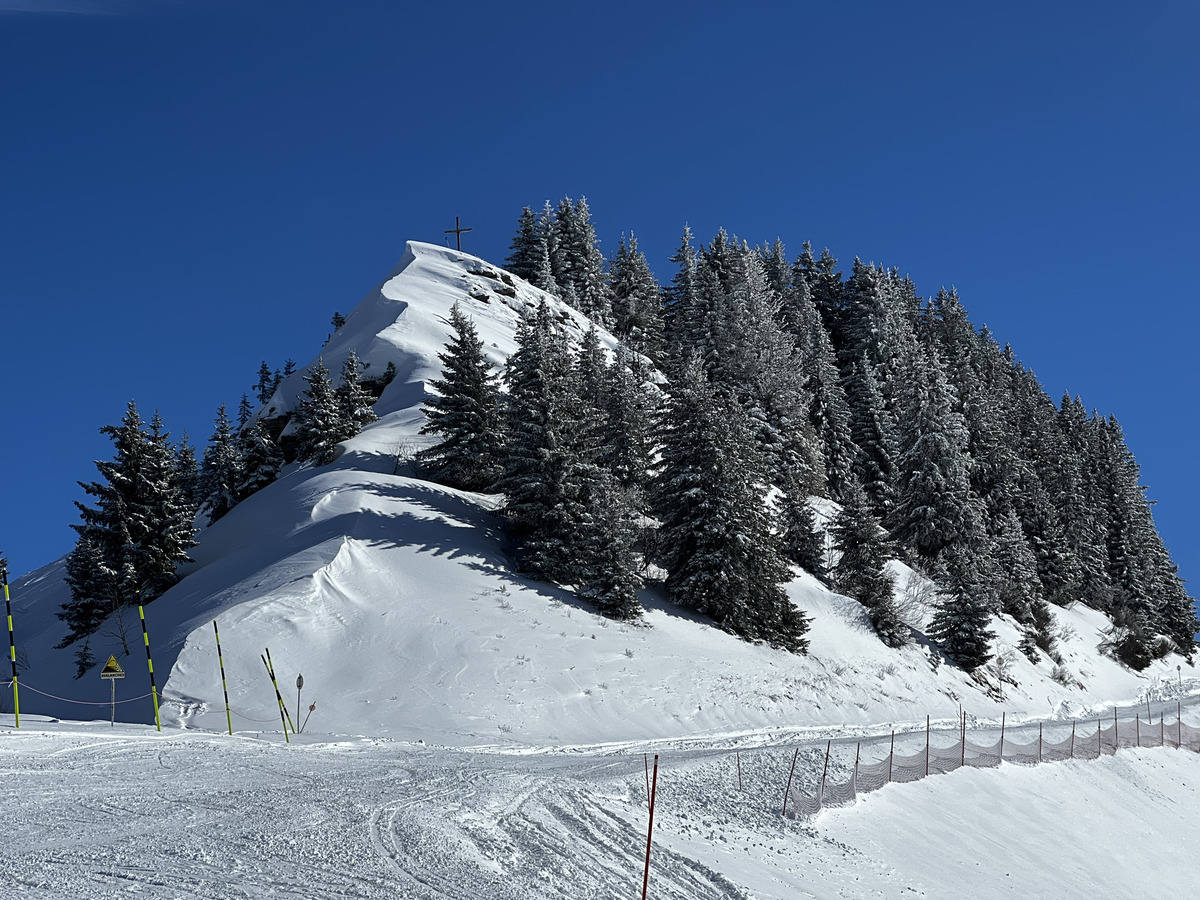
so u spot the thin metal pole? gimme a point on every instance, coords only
(1099, 746)
(1039, 741)
(12, 649)
(739, 765)
(150, 663)
(824, 772)
(650, 828)
(646, 763)
(112, 702)
(891, 757)
(788, 789)
(1116, 732)
(857, 754)
(963, 759)
(927, 746)
(1138, 726)
(1002, 718)
(1072, 739)
(224, 685)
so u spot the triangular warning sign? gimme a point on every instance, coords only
(112, 669)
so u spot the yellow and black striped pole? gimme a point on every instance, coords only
(278, 699)
(150, 663)
(271, 666)
(224, 687)
(12, 648)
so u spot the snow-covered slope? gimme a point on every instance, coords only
(395, 600)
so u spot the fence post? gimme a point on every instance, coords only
(1002, 718)
(1099, 746)
(857, 753)
(1039, 741)
(1162, 729)
(738, 754)
(650, 828)
(824, 772)
(788, 789)
(1178, 724)
(1138, 720)
(891, 757)
(927, 746)
(1072, 739)
(1116, 732)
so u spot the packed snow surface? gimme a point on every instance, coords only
(95, 811)
(480, 734)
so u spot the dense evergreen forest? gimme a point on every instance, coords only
(746, 386)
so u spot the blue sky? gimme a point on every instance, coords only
(191, 187)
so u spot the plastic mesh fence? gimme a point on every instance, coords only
(1084, 740)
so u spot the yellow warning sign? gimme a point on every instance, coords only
(112, 669)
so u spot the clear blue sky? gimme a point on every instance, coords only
(188, 187)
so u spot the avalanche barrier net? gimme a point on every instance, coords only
(1028, 744)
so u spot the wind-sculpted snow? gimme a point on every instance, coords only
(397, 600)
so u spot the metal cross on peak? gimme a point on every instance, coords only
(457, 231)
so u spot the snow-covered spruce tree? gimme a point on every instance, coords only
(632, 407)
(719, 541)
(356, 406)
(541, 474)
(801, 543)
(318, 420)
(678, 294)
(934, 506)
(221, 469)
(245, 412)
(610, 579)
(264, 387)
(860, 572)
(581, 265)
(637, 301)
(464, 413)
(960, 620)
(130, 545)
(187, 472)
(526, 253)
(546, 253)
(261, 460)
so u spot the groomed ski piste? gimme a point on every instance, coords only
(478, 734)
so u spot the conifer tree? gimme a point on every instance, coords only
(318, 420)
(260, 457)
(131, 543)
(464, 413)
(637, 301)
(860, 572)
(962, 614)
(720, 543)
(610, 578)
(525, 256)
(187, 472)
(221, 469)
(356, 407)
(541, 478)
(800, 541)
(265, 386)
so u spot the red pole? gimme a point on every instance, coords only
(650, 828)
(739, 764)
(891, 757)
(927, 746)
(646, 762)
(788, 789)
(963, 760)
(824, 772)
